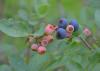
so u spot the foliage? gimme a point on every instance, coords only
(25, 17)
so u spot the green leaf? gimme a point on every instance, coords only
(73, 66)
(17, 63)
(23, 15)
(41, 7)
(39, 62)
(5, 68)
(97, 17)
(94, 3)
(96, 67)
(33, 23)
(14, 28)
(8, 49)
(40, 32)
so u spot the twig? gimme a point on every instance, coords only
(85, 42)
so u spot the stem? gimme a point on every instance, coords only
(27, 55)
(85, 42)
(28, 50)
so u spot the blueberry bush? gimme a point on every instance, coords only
(23, 23)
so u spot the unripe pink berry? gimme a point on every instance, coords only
(49, 38)
(70, 28)
(87, 32)
(44, 42)
(49, 29)
(34, 47)
(41, 50)
(69, 35)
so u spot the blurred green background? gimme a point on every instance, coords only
(19, 18)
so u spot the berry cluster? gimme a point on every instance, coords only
(66, 29)
(63, 30)
(45, 40)
(41, 47)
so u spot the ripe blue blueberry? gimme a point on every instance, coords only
(75, 24)
(63, 23)
(61, 33)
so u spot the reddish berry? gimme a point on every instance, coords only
(34, 47)
(70, 28)
(44, 42)
(49, 29)
(41, 50)
(69, 35)
(49, 38)
(87, 32)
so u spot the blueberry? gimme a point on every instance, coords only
(62, 23)
(61, 33)
(75, 24)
